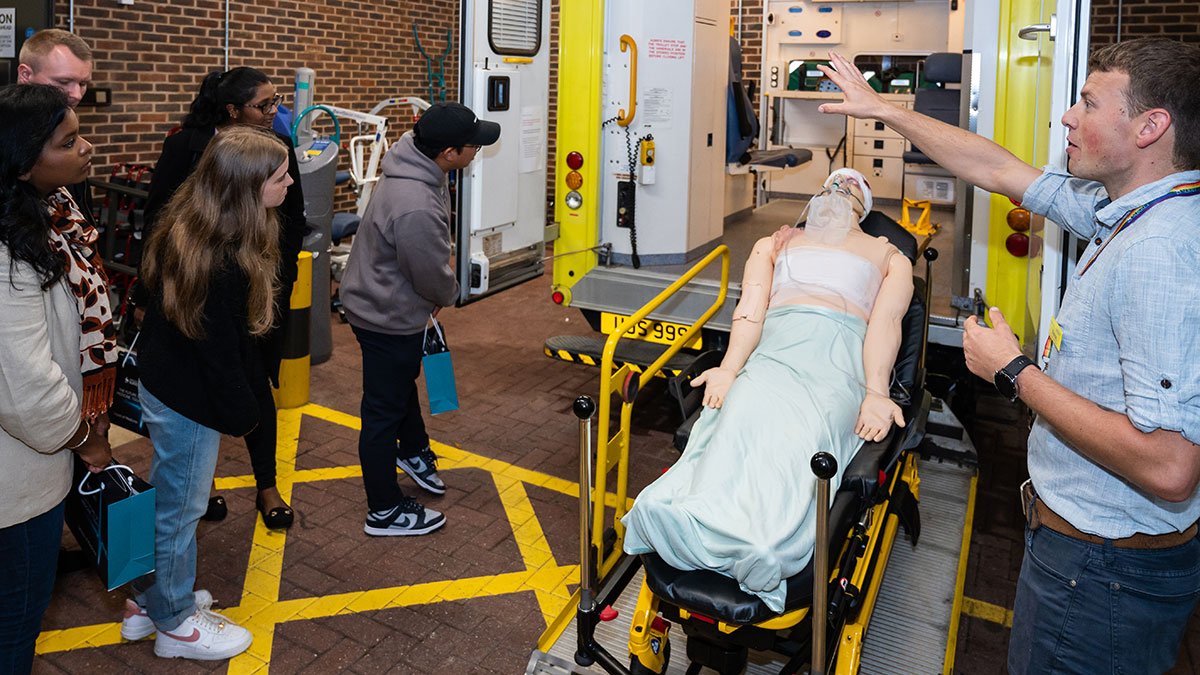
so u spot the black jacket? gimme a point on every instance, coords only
(216, 380)
(180, 154)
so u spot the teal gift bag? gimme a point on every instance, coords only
(439, 371)
(111, 514)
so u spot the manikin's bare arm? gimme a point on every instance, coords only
(969, 156)
(747, 324)
(880, 346)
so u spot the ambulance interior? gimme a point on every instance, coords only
(674, 185)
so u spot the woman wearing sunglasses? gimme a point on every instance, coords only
(241, 96)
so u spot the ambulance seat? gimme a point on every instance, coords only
(939, 103)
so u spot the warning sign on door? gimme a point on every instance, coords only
(8, 33)
(660, 48)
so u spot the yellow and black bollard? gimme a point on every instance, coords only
(295, 366)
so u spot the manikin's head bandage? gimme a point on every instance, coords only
(837, 183)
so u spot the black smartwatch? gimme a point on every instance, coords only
(1006, 378)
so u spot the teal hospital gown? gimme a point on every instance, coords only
(740, 499)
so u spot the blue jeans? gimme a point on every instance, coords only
(28, 559)
(185, 460)
(1091, 608)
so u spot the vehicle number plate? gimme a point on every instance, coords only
(650, 330)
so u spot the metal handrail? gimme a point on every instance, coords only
(610, 382)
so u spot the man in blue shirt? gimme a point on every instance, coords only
(1112, 564)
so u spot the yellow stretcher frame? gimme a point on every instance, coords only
(614, 451)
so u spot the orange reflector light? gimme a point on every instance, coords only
(574, 180)
(1018, 220)
(574, 161)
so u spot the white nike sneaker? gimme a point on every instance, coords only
(137, 624)
(204, 636)
(406, 519)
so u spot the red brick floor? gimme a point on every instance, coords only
(516, 409)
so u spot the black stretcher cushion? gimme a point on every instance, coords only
(717, 596)
(779, 157)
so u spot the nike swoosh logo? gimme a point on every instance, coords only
(408, 520)
(194, 637)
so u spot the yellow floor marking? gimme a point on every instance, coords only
(987, 611)
(260, 610)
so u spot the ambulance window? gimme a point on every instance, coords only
(893, 74)
(515, 27)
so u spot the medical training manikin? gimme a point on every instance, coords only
(814, 338)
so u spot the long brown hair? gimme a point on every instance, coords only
(215, 218)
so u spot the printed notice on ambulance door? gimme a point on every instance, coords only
(8, 33)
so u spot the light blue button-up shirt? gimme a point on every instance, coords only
(1130, 344)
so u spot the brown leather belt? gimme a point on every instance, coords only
(1037, 514)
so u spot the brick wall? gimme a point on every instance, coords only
(154, 53)
(751, 40)
(1143, 18)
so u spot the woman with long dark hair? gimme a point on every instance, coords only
(56, 351)
(210, 271)
(242, 97)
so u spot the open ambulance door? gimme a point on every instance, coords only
(1054, 251)
(1029, 58)
(504, 77)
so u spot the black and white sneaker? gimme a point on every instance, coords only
(422, 467)
(406, 519)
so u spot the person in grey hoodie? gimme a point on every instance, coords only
(398, 277)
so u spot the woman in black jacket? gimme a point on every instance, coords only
(241, 96)
(210, 271)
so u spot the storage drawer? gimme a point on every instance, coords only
(878, 147)
(874, 129)
(885, 174)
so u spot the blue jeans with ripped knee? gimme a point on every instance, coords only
(1094, 608)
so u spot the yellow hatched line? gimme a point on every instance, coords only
(987, 611)
(264, 570)
(260, 609)
(548, 580)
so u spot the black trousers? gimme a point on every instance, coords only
(392, 426)
(261, 442)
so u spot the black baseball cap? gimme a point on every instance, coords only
(453, 125)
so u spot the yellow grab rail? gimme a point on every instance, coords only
(623, 119)
(620, 441)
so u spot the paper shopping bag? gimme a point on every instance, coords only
(126, 410)
(439, 372)
(111, 515)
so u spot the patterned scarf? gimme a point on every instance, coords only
(73, 240)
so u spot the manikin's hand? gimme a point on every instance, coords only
(717, 382)
(987, 350)
(860, 99)
(875, 417)
(781, 237)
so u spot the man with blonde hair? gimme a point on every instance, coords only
(57, 58)
(62, 60)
